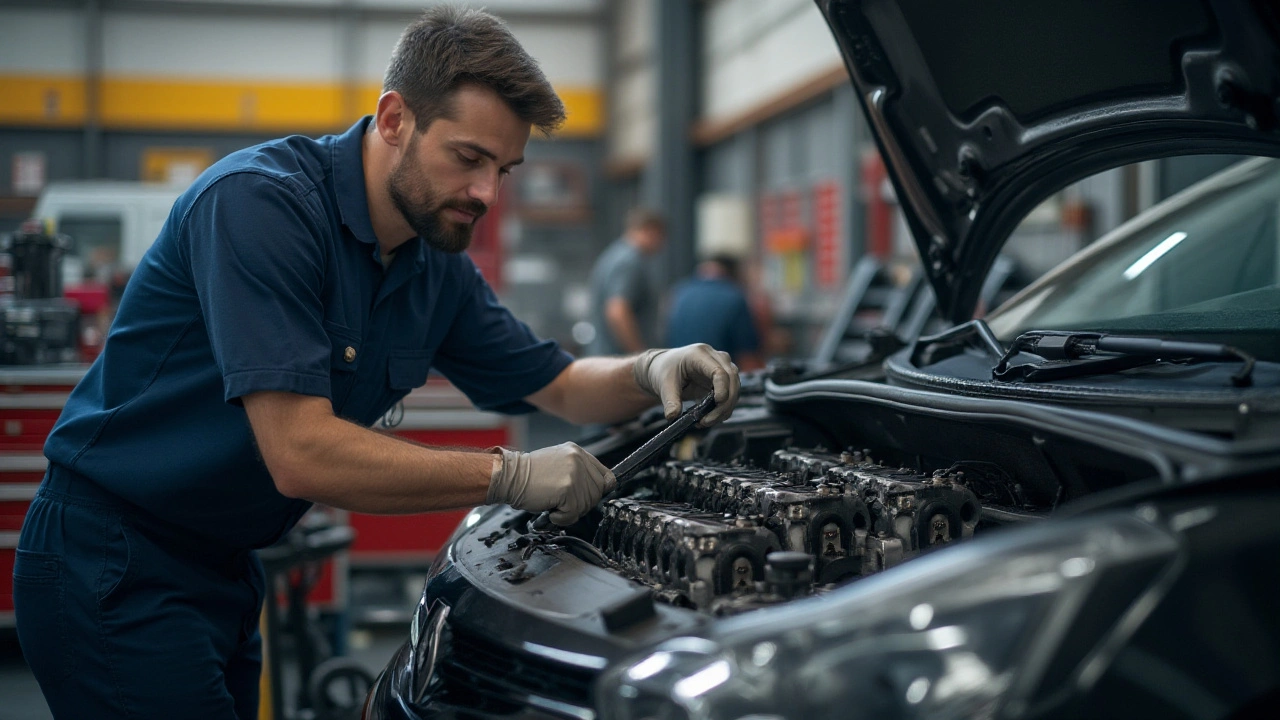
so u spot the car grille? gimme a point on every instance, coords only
(481, 674)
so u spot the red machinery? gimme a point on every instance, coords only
(31, 398)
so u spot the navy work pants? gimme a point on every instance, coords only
(120, 617)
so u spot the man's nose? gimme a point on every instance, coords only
(485, 188)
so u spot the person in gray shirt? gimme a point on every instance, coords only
(623, 298)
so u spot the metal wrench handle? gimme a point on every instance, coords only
(638, 460)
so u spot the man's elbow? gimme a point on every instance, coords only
(292, 476)
(294, 459)
(289, 432)
(553, 398)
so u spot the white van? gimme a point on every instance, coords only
(112, 222)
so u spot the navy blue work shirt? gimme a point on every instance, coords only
(267, 276)
(712, 311)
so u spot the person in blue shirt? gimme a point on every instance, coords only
(712, 308)
(298, 290)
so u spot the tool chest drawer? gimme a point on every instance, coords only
(8, 545)
(25, 430)
(31, 398)
(17, 488)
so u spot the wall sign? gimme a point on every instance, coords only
(826, 232)
(30, 171)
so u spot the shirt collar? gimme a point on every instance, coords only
(348, 181)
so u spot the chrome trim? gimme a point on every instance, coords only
(42, 375)
(450, 420)
(33, 401)
(28, 462)
(429, 643)
(18, 491)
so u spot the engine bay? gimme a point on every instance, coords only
(761, 510)
(724, 537)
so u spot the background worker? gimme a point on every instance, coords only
(624, 300)
(711, 307)
(299, 289)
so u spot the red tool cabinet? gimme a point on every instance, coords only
(437, 414)
(30, 401)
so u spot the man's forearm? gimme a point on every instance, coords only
(331, 461)
(594, 390)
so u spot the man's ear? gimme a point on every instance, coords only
(393, 120)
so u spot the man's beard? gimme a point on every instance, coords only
(426, 217)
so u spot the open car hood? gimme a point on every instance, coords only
(983, 108)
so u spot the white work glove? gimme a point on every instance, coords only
(689, 373)
(564, 479)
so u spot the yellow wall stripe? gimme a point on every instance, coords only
(168, 104)
(43, 101)
(216, 105)
(584, 108)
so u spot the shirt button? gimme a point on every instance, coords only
(349, 354)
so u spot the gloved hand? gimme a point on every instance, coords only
(688, 373)
(563, 478)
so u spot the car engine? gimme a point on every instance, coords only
(725, 538)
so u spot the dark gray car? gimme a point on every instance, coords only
(1065, 510)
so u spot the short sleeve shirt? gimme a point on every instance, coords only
(621, 272)
(267, 277)
(712, 311)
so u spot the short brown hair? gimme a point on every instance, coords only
(447, 47)
(642, 218)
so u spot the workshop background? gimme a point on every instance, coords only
(732, 117)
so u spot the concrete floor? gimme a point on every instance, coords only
(370, 645)
(20, 697)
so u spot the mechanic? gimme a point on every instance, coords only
(623, 302)
(300, 289)
(712, 307)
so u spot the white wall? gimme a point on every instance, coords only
(259, 46)
(756, 51)
(493, 6)
(41, 41)
(569, 54)
(189, 46)
(632, 104)
(633, 115)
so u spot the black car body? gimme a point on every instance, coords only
(1066, 510)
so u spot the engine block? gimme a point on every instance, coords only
(911, 513)
(702, 532)
(692, 554)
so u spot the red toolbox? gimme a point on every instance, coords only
(30, 400)
(437, 414)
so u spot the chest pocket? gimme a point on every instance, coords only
(344, 361)
(407, 369)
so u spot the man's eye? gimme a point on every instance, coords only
(468, 160)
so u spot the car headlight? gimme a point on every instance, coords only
(428, 642)
(987, 629)
(428, 631)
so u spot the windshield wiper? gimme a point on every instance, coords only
(1074, 354)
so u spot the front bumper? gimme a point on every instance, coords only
(525, 637)
(385, 703)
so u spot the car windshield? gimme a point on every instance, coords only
(1204, 264)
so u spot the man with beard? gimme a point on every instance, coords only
(299, 289)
